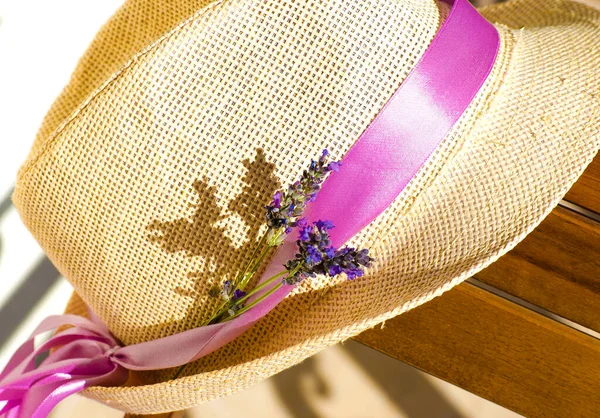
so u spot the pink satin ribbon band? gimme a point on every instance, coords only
(374, 172)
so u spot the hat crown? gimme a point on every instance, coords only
(154, 191)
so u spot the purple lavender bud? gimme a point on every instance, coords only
(290, 210)
(335, 270)
(341, 253)
(238, 294)
(290, 204)
(313, 255)
(276, 203)
(301, 222)
(334, 166)
(324, 225)
(226, 290)
(363, 258)
(316, 255)
(330, 252)
(305, 234)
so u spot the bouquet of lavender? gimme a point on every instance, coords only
(315, 254)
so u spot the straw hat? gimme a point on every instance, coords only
(147, 181)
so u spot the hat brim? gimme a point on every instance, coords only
(523, 142)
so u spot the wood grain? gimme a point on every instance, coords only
(586, 192)
(497, 350)
(556, 267)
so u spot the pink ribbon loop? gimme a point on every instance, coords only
(382, 161)
(79, 356)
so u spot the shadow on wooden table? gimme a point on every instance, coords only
(404, 387)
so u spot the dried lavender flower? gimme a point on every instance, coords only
(316, 255)
(285, 209)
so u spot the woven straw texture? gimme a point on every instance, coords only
(147, 180)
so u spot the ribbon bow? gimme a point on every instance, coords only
(87, 354)
(83, 355)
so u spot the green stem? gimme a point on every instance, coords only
(262, 297)
(256, 302)
(256, 266)
(264, 254)
(217, 313)
(243, 279)
(250, 274)
(260, 286)
(228, 304)
(276, 237)
(244, 309)
(239, 279)
(260, 244)
(179, 371)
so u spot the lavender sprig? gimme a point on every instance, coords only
(285, 211)
(287, 206)
(315, 256)
(315, 253)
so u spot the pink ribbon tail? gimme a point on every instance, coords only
(80, 357)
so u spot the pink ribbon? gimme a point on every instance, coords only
(373, 173)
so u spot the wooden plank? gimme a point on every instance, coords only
(586, 192)
(498, 350)
(556, 267)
